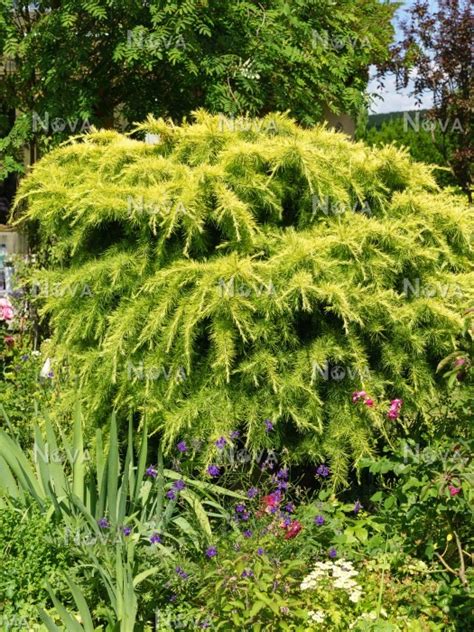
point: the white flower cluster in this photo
(341, 575)
(317, 616)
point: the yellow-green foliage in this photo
(233, 260)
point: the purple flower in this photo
(252, 492)
(213, 470)
(181, 573)
(173, 597)
(357, 507)
(290, 507)
(332, 552)
(211, 551)
(221, 443)
(282, 485)
(268, 425)
(240, 508)
(179, 485)
(25, 357)
(155, 538)
(247, 573)
(319, 520)
(235, 434)
(282, 474)
(247, 533)
(245, 516)
(322, 470)
(103, 523)
(182, 447)
(260, 551)
(50, 374)
(170, 495)
(126, 531)
(286, 521)
(151, 471)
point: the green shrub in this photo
(31, 554)
(242, 270)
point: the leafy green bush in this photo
(31, 555)
(423, 141)
(227, 272)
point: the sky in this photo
(392, 100)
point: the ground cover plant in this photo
(250, 275)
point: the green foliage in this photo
(31, 555)
(210, 279)
(429, 499)
(417, 134)
(83, 60)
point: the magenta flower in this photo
(454, 490)
(357, 395)
(6, 309)
(369, 402)
(394, 410)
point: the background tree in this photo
(106, 62)
(436, 54)
(410, 129)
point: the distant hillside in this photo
(377, 120)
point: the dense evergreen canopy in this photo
(226, 272)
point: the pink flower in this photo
(358, 395)
(369, 402)
(394, 410)
(293, 529)
(454, 490)
(6, 309)
(9, 341)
